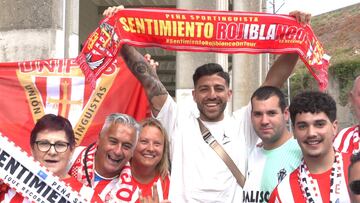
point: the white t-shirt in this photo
(267, 168)
(198, 173)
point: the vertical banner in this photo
(32, 89)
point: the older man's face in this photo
(115, 148)
(355, 98)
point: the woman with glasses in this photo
(52, 143)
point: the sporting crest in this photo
(59, 87)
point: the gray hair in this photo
(119, 118)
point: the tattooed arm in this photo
(146, 74)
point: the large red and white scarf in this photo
(78, 169)
(115, 190)
(311, 189)
(202, 31)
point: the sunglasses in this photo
(355, 187)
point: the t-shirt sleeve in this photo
(168, 118)
(168, 115)
(246, 127)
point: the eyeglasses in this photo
(355, 187)
(45, 146)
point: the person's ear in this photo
(286, 113)
(230, 93)
(335, 127)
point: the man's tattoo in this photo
(145, 74)
(140, 67)
(149, 79)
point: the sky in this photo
(315, 7)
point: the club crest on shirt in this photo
(281, 174)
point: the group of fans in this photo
(130, 161)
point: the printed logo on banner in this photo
(59, 87)
(27, 176)
(42, 174)
(104, 44)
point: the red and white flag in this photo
(31, 89)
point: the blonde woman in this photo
(150, 162)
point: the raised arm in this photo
(281, 70)
(285, 63)
(143, 71)
(146, 74)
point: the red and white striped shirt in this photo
(11, 196)
(289, 190)
(347, 140)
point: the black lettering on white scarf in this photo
(310, 187)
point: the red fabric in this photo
(100, 51)
(78, 169)
(126, 188)
(30, 89)
(3, 190)
(323, 181)
(77, 186)
(203, 31)
(146, 189)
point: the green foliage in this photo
(345, 73)
(301, 80)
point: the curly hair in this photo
(313, 102)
